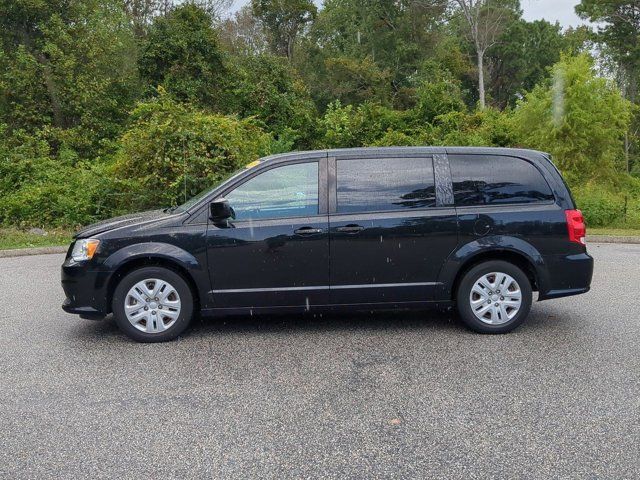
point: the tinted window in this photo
(385, 184)
(484, 180)
(288, 191)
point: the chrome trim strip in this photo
(276, 289)
(324, 287)
(383, 285)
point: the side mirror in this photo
(220, 210)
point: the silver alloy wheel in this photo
(495, 298)
(152, 305)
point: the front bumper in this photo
(567, 275)
(86, 290)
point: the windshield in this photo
(194, 200)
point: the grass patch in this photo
(615, 232)
(11, 238)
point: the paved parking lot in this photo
(366, 396)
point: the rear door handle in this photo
(308, 231)
(350, 228)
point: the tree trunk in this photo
(481, 78)
(52, 91)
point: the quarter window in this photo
(495, 180)
(287, 191)
(369, 185)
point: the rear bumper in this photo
(567, 275)
(86, 290)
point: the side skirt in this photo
(357, 307)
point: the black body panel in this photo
(396, 257)
(266, 264)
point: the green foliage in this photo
(38, 188)
(618, 36)
(69, 69)
(267, 88)
(579, 118)
(607, 206)
(283, 20)
(438, 93)
(618, 31)
(106, 107)
(172, 151)
(365, 50)
(346, 126)
(488, 127)
(599, 205)
(11, 238)
(181, 54)
(521, 58)
(355, 81)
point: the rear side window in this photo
(496, 180)
(374, 185)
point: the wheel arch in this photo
(515, 258)
(153, 255)
(515, 251)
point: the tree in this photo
(618, 32)
(267, 88)
(438, 93)
(363, 43)
(243, 34)
(485, 21)
(356, 81)
(521, 58)
(579, 118)
(67, 69)
(283, 20)
(181, 53)
(618, 29)
(142, 12)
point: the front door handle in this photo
(351, 228)
(308, 231)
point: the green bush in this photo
(579, 118)
(348, 126)
(599, 206)
(489, 128)
(40, 189)
(171, 152)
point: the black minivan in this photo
(369, 228)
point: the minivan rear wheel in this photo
(152, 304)
(494, 297)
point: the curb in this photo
(21, 252)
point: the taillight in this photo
(576, 226)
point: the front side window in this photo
(495, 180)
(370, 185)
(287, 191)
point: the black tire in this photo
(467, 283)
(144, 273)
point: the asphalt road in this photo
(368, 396)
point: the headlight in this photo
(84, 249)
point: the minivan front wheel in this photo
(494, 297)
(152, 304)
